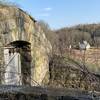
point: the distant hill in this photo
(78, 33)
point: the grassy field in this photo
(90, 58)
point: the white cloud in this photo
(48, 9)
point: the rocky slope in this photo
(68, 73)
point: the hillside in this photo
(72, 36)
(68, 73)
(70, 61)
(71, 67)
(75, 34)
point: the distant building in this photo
(84, 45)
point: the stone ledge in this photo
(11, 92)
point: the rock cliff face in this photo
(17, 25)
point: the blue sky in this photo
(62, 13)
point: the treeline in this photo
(63, 38)
(76, 34)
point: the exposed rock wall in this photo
(16, 24)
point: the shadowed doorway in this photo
(17, 56)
